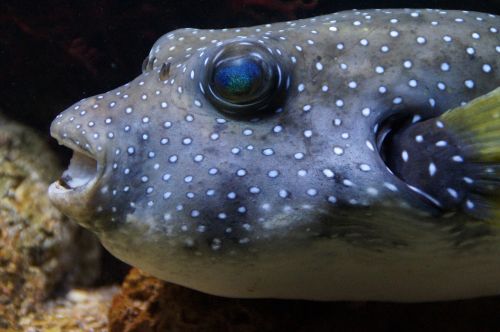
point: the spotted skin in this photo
(297, 201)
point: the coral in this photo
(41, 252)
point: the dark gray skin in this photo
(293, 200)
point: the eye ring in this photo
(244, 78)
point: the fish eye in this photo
(244, 78)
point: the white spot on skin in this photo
(273, 173)
(332, 199)
(348, 183)
(298, 155)
(421, 40)
(453, 193)
(338, 150)
(432, 169)
(370, 145)
(365, 167)
(390, 186)
(445, 66)
(468, 180)
(254, 190)
(404, 156)
(268, 152)
(441, 143)
(469, 84)
(283, 193)
(312, 192)
(486, 68)
(328, 173)
(393, 33)
(470, 205)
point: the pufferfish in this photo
(352, 156)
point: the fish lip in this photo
(72, 193)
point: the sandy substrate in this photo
(79, 311)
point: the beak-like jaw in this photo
(73, 194)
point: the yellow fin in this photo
(477, 124)
(477, 127)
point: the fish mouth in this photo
(82, 170)
(72, 193)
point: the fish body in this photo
(285, 160)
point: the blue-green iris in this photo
(238, 79)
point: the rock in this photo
(41, 252)
(79, 310)
(147, 304)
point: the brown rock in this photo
(79, 310)
(41, 252)
(147, 304)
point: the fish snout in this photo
(74, 192)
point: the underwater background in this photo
(54, 53)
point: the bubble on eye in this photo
(238, 79)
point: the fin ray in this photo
(476, 126)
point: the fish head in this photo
(226, 138)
